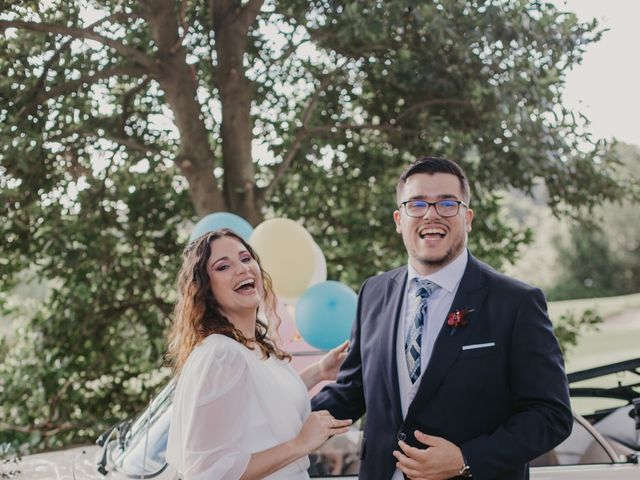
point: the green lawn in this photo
(601, 348)
(618, 337)
(606, 306)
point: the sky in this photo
(606, 86)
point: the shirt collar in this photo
(447, 277)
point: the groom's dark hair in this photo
(431, 165)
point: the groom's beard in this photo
(451, 254)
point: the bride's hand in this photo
(330, 362)
(317, 428)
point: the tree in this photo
(122, 121)
(600, 257)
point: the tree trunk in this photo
(231, 24)
(196, 158)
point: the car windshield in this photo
(141, 452)
(609, 398)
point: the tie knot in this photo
(425, 288)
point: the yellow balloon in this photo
(286, 251)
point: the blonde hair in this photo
(197, 313)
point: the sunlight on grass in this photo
(618, 337)
(606, 306)
(617, 340)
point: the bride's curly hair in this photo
(197, 313)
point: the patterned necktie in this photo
(414, 338)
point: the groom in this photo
(455, 364)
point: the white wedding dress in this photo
(230, 403)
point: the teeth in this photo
(248, 281)
(432, 231)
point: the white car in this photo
(136, 449)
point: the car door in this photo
(585, 455)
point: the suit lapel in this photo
(448, 345)
(393, 303)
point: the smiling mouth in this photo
(432, 233)
(246, 285)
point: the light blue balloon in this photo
(217, 220)
(325, 313)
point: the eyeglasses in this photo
(444, 208)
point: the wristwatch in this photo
(465, 471)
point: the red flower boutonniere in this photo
(458, 319)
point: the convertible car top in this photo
(619, 420)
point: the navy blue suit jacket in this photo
(502, 405)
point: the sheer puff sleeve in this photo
(210, 412)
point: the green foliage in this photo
(568, 328)
(474, 84)
(601, 257)
(587, 266)
(56, 396)
(90, 355)
(95, 198)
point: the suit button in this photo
(402, 436)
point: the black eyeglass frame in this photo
(434, 205)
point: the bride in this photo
(240, 410)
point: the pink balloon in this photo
(289, 337)
(287, 330)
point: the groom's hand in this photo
(441, 460)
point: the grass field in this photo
(606, 306)
(618, 337)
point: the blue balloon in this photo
(217, 220)
(325, 313)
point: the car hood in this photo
(70, 464)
